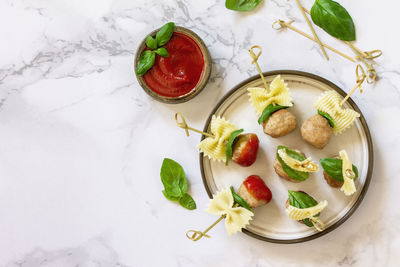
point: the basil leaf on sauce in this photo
(334, 19)
(162, 52)
(151, 42)
(301, 200)
(242, 5)
(187, 202)
(146, 61)
(165, 33)
(296, 175)
(328, 117)
(333, 167)
(228, 148)
(239, 200)
(268, 112)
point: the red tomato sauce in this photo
(256, 186)
(179, 73)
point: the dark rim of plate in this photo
(367, 134)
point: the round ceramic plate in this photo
(270, 222)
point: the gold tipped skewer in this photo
(186, 127)
(360, 73)
(255, 61)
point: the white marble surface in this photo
(82, 144)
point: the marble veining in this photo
(82, 144)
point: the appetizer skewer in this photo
(235, 208)
(272, 103)
(225, 142)
(305, 209)
(292, 165)
(331, 117)
(339, 172)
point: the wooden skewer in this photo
(195, 235)
(255, 61)
(360, 73)
(186, 127)
(284, 24)
(312, 29)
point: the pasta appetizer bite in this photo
(236, 208)
(305, 209)
(340, 172)
(225, 142)
(293, 165)
(331, 118)
(271, 104)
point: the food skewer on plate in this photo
(235, 208)
(331, 117)
(225, 142)
(303, 208)
(340, 172)
(293, 165)
(271, 103)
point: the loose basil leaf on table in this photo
(301, 200)
(165, 33)
(169, 197)
(146, 61)
(333, 167)
(328, 117)
(151, 42)
(173, 178)
(268, 112)
(228, 149)
(297, 175)
(162, 52)
(334, 19)
(239, 200)
(242, 5)
(187, 202)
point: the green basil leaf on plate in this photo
(187, 202)
(334, 19)
(173, 178)
(268, 112)
(296, 175)
(165, 33)
(146, 61)
(162, 52)
(242, 5)
(229, 144)
(301, 200)
(333, 167)
(151, 42)
(328, 117)
(239, 200)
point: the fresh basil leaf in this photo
(239, 200)
(187, 202)
(297, 175)
(228, 149)
(302, 201)
(328, 117)
(165, 33)
(334, 19)
(169, 197)
(333, 167)
(173, 178)
(151, 42)
(268, 112)
(162, 52)
(242, 5)
(146, 61)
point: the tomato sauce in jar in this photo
(179, 73)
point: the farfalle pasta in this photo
(236, 218)
(215, 147)
(329, 102)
